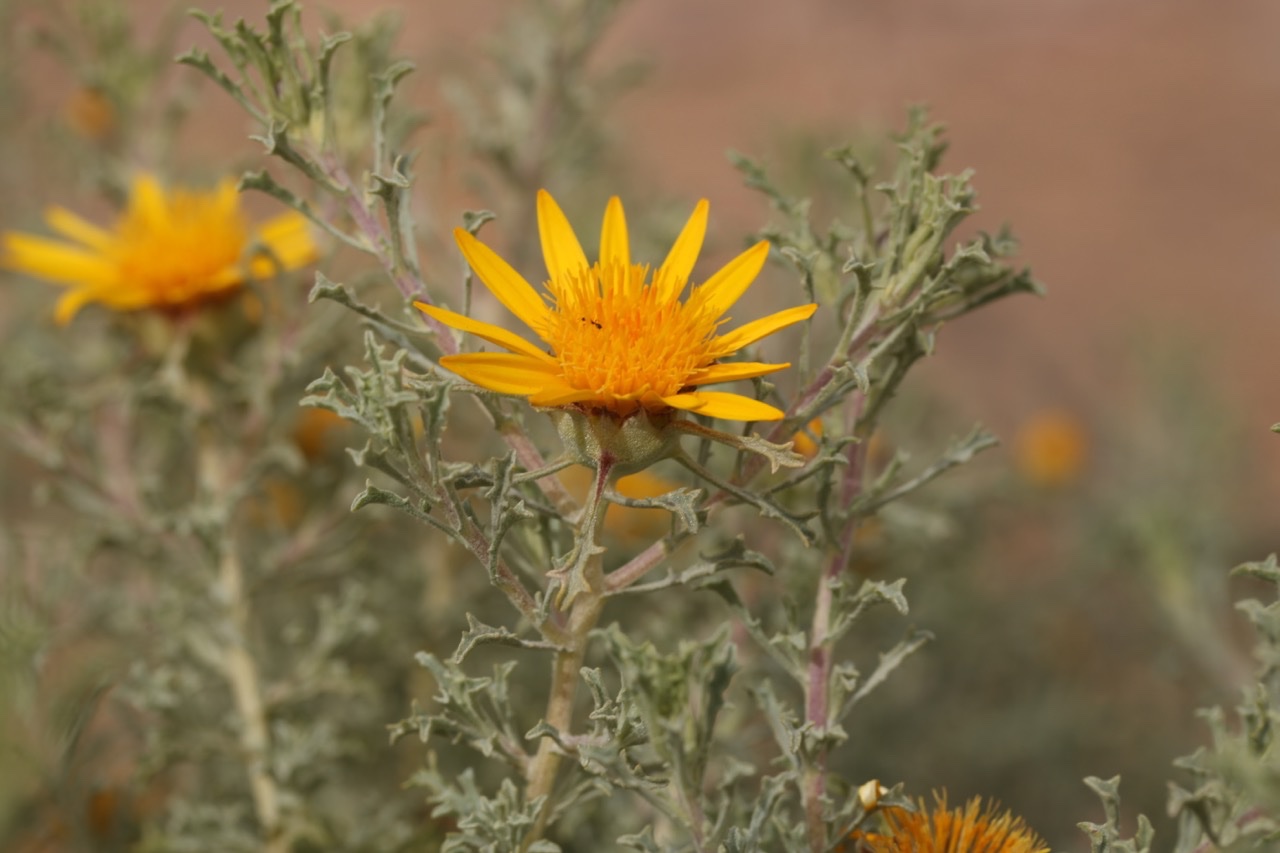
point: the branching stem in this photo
(817, 701)
(584, 613)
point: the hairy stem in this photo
(817, 702)
(217, 472)
(241, 671)
(584, 613)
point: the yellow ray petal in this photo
(224, 279)
(71, 302)
(227, 196)
(560, 395)
(147, 200)
(615, 246)
(55, 261)
(289, 238)
(729, 407)
(491, 333)
(730, 372)
(757, 329)
(72, 227)
(678, 266)
(504, 282)
(502, 372)
(560, 247)
(732, 280)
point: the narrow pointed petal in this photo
(561, 395)
(491, 333)
(729, 407)
(724, 288)
(233, 276)
(676, 269)
(503, 282)
(70, 303)
(289, 237)
(733, 371)
(755, 330)
(502, 372)
(560, 247)
(147, 199)
(615, 246)
(72, 227)
(55, 261)
(227, 196)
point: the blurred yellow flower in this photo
(1050, 448)
(618, 339)
(970, 829)
(167, 251)
(318, 431)
(805, 442)
(627, 522)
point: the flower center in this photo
(625, 338)
(173, 252)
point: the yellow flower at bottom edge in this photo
(167, 250)
(971, 829)
(618, 339)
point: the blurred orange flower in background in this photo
(90, 113)
(168, 250)
(1051, 448)
(318, 431)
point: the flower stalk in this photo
(241, 671)
(239, 667)
(821, 650)
(584, 613)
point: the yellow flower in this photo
(618, 339)
(1051, 448)
(167, 251)
(972, 829)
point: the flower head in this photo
(971, 829)
(616, 336)
(167, 251)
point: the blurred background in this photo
(1081, 599)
